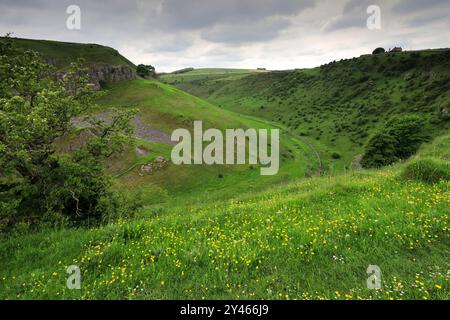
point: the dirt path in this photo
(141, 130)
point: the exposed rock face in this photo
(141, 151)
(112, 74)
(100, 74)
(142, 130)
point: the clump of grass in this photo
(335, 155)
(427, 170)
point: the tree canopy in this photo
(36, 111)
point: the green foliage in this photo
(398, 139)
(379, 51)
(145, 71)
(335, 155)
(35, 112)
(380, 151)
(428, 170)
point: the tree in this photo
(399, 139)
(35, 112)
(145, 71)
(380, 151)
(379, 51)
(409, 131)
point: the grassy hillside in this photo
(209, 74)
(226, 232)
(310, 239)
(165, 108)
(342, 103)
(61, 54)
(193, 81)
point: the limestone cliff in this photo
(101, 74)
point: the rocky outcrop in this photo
(102, 74)
(158, 164)
(142, 130)
(356, 163)
(110, 74)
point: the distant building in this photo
(261, 69)
(396, 49)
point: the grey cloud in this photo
(253, 32)
(422, 20)
(345, 22)
(171, 44)
(231, 21)
(38, 4)
(353, 14)
(234, 31)
(407, 6)
(198, 14)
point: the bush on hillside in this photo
(380, 151)
(427, 170)
(335, 155)
(399, 139)
(145, 71)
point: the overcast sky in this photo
(276, 34)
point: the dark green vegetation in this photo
(379, 51)
(35, 113)
(61, 54)
(226, 232)
(145, 71)
(338, 105)
(428, 170)
(398, 139)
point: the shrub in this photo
(380, 151)
(145, 71)
(427, 170)
(409, 131)
(399, 139)
(335, 155)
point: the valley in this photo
(226, 231)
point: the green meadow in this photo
(309, 239)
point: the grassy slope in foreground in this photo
(61, 53)
(310, 239)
